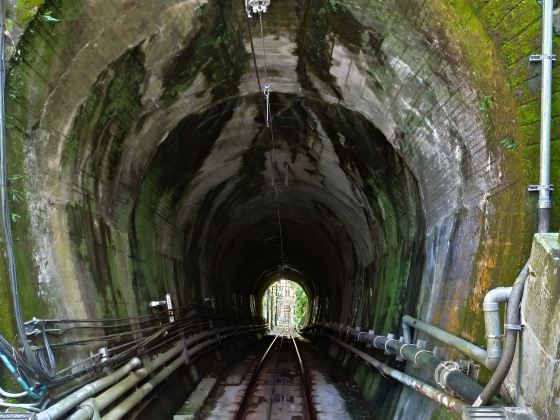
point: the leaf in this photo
(17, 196)
(509, 143)
(48, 17)
(15, 217)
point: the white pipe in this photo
(547, 58)
(28, 407)
(7, 394)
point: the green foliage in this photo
(82, 249)
(15, 194)
(26, 9)
(301, 304)
(48, 17)
(509, 143)
(486, 103)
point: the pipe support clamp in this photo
(442, 372)
(516, 327)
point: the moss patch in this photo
(26, 10)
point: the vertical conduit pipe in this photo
(547, 58)
(493, 324)
(512, 329)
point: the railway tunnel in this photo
(377, 153)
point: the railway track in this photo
(278, 388)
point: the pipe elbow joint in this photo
(492, 362)
(494, 297)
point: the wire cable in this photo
(268, 118)
(43, 372)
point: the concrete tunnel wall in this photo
(406, 133)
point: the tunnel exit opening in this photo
(285, 305)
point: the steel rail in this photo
(251, 384)
(306, 385)
(273, 385)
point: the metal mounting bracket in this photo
(167, 303)
(537, 187)
(537, 58)
(256, 6)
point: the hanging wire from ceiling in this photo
(260, 7)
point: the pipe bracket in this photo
(416, 355)
(442, 372)
(537, 58)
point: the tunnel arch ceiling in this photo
(129, 128)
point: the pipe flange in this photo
(442, 372)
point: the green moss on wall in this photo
(25, 74)
(216, 50)
(26, 10)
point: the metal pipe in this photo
(469, 349)
(512, 328)
(547, 58)
(59, 409)
(407, 334)
(199, 343)
(493, 324)
(138, 395)
(453, 378)
(429, 391)
(116, 391)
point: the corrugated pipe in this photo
(446, 374)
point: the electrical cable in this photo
(36, 367)
(28, 407)
(39, 364)
(7, 394)
(253, 51)
(268, 118)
